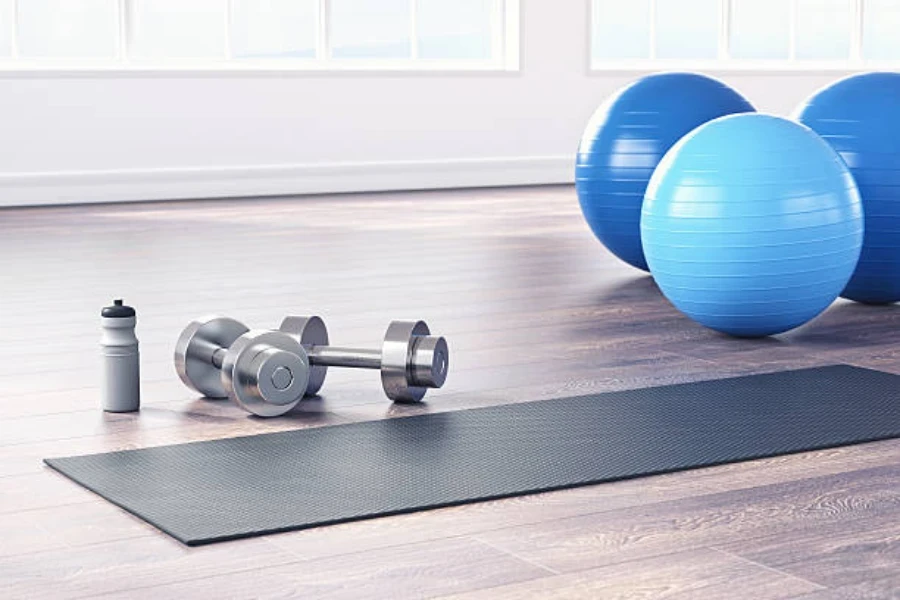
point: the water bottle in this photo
(121, 360)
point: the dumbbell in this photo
(265, 372)
(411, 360)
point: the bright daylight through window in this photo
(249, 34)
(801, 34)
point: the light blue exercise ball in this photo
(625, 140)
(752, 225)
(860, 118)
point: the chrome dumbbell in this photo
(411, 360)
(264, 372)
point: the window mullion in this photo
(498, 32)
(413, 30)
(122, 50)
(795, 25)
(14, 31)
(229, 9)
(724, 29)
(323, 32)
(856, 35)
(510, 23)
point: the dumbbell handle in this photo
(215, 354)
(424, 371)
(218, 357)
(355, 358)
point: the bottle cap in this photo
(117, 311)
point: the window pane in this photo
(687, 29)
(620, 29)
(760, 29)
(7, 14)
(178, 29)
(823, 29)
(274, 28)
(68, 28)
(454, 30)
(881, 40)
(370, 28)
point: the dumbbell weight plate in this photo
(309, 331)
(266, 372)
(399, 344)
(195, 348)
(430, 362)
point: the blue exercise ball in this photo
(625, 140)
(752, 225)
(860, 118)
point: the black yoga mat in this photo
(212, 491)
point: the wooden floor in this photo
(533, 308)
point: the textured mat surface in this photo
(224, 489)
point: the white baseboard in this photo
(82, 187)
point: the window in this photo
(621, 29)
(248, 34)
(70, 28)
(371, 28)
(881, 25)
(799, 34)
(454, 31)
(7, 18)
(687, 29)
(176, 29)
(274, 28)
(760, 29)
(822, 29)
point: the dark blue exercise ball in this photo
(860, 118)
(625, 140)
(752, 225)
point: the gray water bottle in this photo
(121, 360)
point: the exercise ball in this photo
(860, 118)
(625, 140)
(752, 225)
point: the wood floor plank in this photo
(886, 588)
(26, 458)
(70, 526)
(835, 556)
(118, 566)
(701, 573)
(867, 498)
(413, 571)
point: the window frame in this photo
(505, 50)
(725, 63)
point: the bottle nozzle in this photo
(118, 309)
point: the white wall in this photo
(80, 138)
